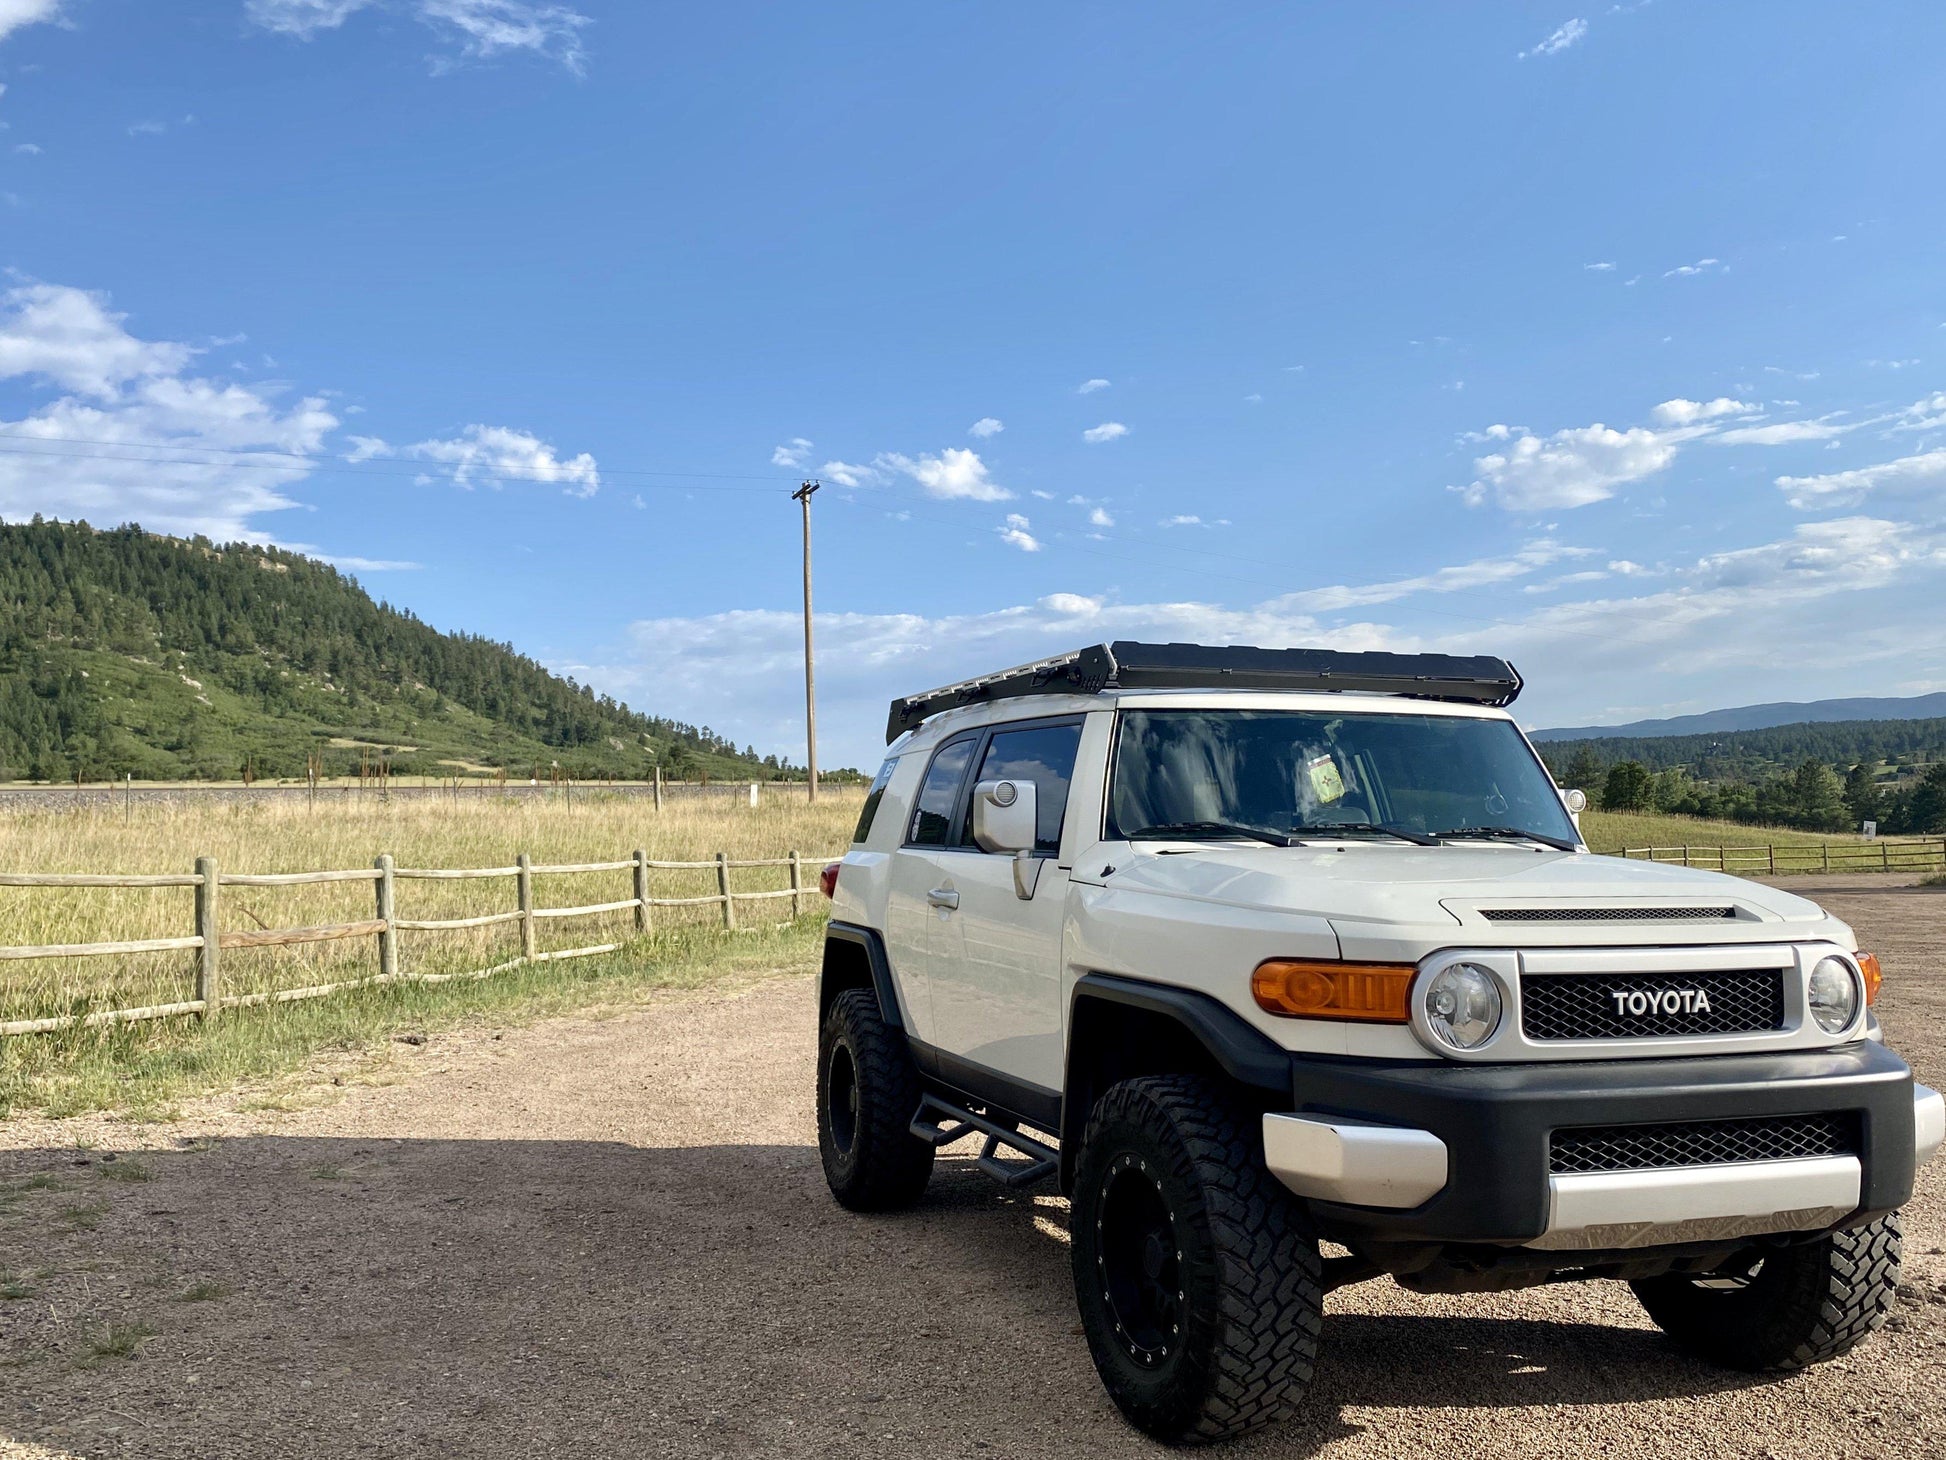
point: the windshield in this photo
(1287, 772)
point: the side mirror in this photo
(1575, 801)
(1005, 816)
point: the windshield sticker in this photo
(1325, 780)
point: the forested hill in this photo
(125, 652)
(1744, 754)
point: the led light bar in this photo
(1125, 664)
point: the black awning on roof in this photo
(1125, 664)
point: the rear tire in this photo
(868, 1093)
(1196, 1271)
(1796, 1307)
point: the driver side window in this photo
(1043, 754)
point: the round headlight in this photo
(1834, 995)
(1462, 1004)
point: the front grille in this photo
(1561, 1006)
(1699, 1143)
(1608, 914)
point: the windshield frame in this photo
(1109, 831)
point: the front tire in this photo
(868, 1093)
(1798, 1306)
(1196, 1272)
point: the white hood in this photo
(1356, 885)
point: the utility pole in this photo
(803, 496)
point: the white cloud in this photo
(1254, 398)
(477, 30)
(848, 474)
(1014, 533)
(1923, 415)
(1701, 266)
(147, 129)
(71, 338)
(986, 426)
(1089, 387)
(1605, 267)
(1680, 412)
(131, 437)
(15, 14)
(501, 453)
(1192, 520)
(792, 454)
(367, 448)
(1571, 468)
(1106, 431)
(1781, 433)
(1099, 517)
(1825, 610)
(27, 149)
(1481, 573)
(955, 474)
(1921, 473)
(1564, 35)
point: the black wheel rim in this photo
(1139, 1262)
(841, 1099)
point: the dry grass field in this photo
(139, 1064)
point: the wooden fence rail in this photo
(209, 940)
(1879, 855)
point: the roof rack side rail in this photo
(1126, 664)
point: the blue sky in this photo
(1611, 338)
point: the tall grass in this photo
(1611, 831)
(170, 1055)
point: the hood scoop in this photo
(1663, 914)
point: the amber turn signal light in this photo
(1874, 975)
(1371, 993)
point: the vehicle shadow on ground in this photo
(327, 1297)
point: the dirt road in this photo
(610, 1238)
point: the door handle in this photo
(943, 897)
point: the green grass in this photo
(143, 1069)
(114, 1340)
(1611, 831)
(205, 1292)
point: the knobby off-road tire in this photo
(868, 1092)
(1803, 1305)
(1196, 1271)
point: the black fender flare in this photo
(873, 947)
(1241, 1051)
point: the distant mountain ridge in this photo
(1761, 717)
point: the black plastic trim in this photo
(1244, 1053)
(875, 959)
(984, 1085)
(1497, 1122)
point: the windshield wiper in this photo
(1417, 838)
(1510, 833)
(1194, 829)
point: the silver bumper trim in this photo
(1928, 1122)
(1618, 1209)
(1354, 1161)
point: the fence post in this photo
(658, 788)
(1772, 849)
(388, 936)
(642, 924)
(209, 982)
(525, 882)
(723, 887)
(797, 885)
(1825, 847)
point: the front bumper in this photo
(1395, 1152)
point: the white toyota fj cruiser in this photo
(1281, 947)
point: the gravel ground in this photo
(610, 1238)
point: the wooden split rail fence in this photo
(1878, 855)
(209, 939)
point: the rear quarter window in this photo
(872, 797)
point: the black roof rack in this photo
(1469, 679)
